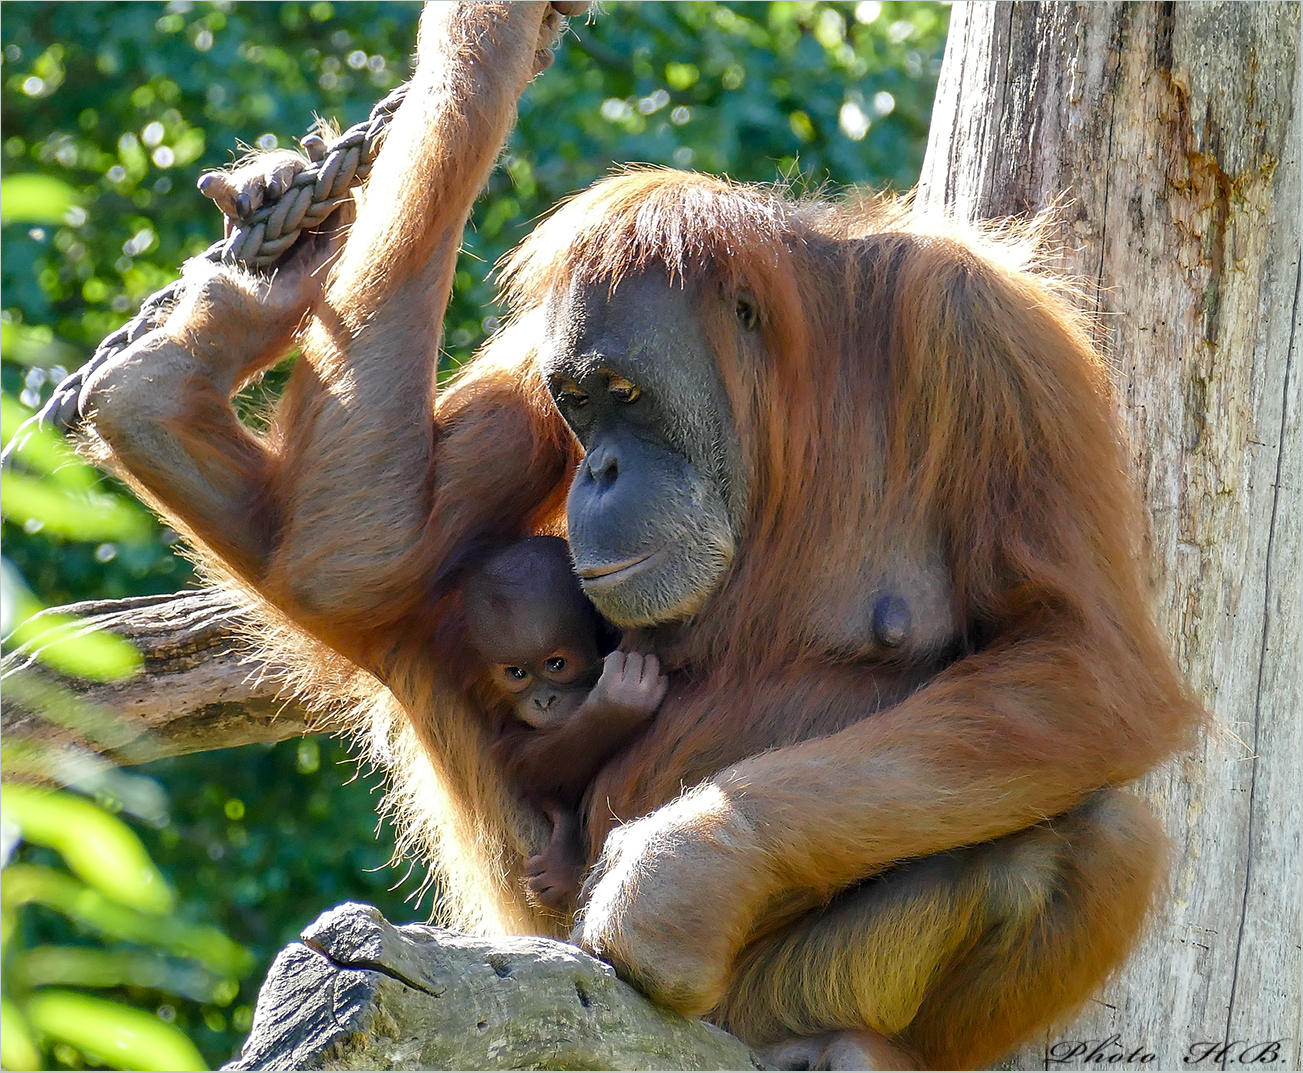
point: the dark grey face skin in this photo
(657, 505)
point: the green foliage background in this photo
(125, 104)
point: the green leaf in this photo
(35, 344)
(84, 966)
(75, 647)
(99, 847)
(63, 641)
(28, 883)
(189, 147)
(17, 1047)
(35, 199)
(117, 1035)
(17, 601)
(44, 449)
(79, 515)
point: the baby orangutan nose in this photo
(545, 703)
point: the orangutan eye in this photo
(623, 390)
(571, 394)
(517, 673)
(555, 665)
(746, 311)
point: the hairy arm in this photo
(1019, 733)
(561, 761)
(161, 413)
(357, 485)
(367, 482)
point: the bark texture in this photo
(359, 993)
(198, 689)
(1173, 132)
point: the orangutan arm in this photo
(358, 465)
(1000, 741)
(330, 515)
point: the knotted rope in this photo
(257, 240)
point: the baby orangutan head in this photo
(532, 624)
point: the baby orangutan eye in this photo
(556, 665)
(518, 674)
(623, 390)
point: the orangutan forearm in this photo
(359, 412)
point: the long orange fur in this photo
(915, 390)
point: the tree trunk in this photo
(1173, 131)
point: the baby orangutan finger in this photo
(651, 668)
(633, 667)
(659, 686)
(613, 665)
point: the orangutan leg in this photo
(955, 957)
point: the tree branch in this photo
(198, 689)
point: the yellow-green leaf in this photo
(68, 644)
(189, 147)
(35, 199)
(79, 515)
(35, 344)
(117, 1035)
(27, 883)
(86, 966)
(100, 848)
(17, 601)
(43, 449)
(17, 1047)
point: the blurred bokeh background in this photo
(139, 913)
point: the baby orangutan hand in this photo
(631, 686)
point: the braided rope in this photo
(262, 237)
(258, 240)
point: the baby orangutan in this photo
(543, 643)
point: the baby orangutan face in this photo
(548, 682)
(533, 626)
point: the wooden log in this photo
(199, 688)
(359, 993)
(1173, 130)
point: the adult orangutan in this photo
(855, 479)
